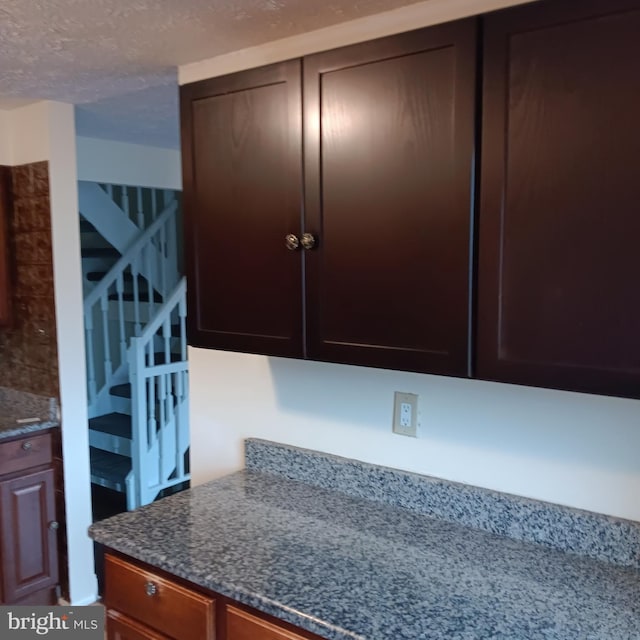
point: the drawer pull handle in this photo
(54, 526)
(26, 446)
(150, 589)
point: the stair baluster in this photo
(151, 406)
(125, 202)
(180, 428)
(164, 267)
(108, 365)
(149, 251)
(182, 314)
(162, 399)
(91, 365)
(121, 326)
(139, 445)
(135, 273)
(140, 209)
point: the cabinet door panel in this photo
(389, 140)
(242, 184)
(559, 302)
(5, 281)
(29, 552)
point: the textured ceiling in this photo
(91, 52)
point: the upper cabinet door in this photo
(389, 145)
(559, 262)
(5, 281)
(242, 164)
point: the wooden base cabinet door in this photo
(242, 164)
(559, 265)
(28, 536)
(389, 145)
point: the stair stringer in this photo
(106, 216)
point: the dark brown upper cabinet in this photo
(5, 280)
(372, 250)
(242, 174)
(389, 143)
(559, 263)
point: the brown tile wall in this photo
(28, 351)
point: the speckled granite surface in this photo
(586, 533)
(22, 413)
(349, 568)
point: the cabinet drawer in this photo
(242, 625)
(157, 602)
(120, 627)
(25, 453)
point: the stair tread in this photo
(100, 252)
(109, 466)
(143, 296)
(121, 390)
(115, 424)
(158, 357)
(127, 276)
(86, 226)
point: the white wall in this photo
(131, 164)
(25, 135)
(573, 449)
(46, 131)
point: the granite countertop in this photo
(350, 567)
(23, 413)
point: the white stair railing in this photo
(158, 370)
(140, 204)
(149, 267)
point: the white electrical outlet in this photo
(405, 414)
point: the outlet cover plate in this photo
(405, 414)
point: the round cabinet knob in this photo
(54, 526)
(26, 445)
(308, 241)
(291, 241)
(150, 589)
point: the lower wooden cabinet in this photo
(144, 603)
(28, 525)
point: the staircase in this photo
(135, 310)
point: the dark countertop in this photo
(351, 568)
(23, 413)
